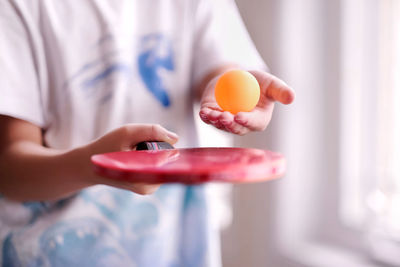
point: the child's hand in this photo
(124, 139)
(52, 174)
(272, 89)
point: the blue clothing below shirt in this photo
(103, 226)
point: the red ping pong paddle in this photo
(158, 162)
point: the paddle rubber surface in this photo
(191, 165)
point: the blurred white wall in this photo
(299, 41)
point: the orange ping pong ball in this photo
(237, 91)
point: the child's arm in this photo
(31, 171)
(272, 89)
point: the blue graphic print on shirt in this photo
(157, 55)
(118, 67)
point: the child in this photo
(79, 78)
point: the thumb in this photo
(136, 133)
(274, 88)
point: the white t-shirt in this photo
(79, 69)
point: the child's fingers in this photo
(238, 129)
(222, 120)
(203, 113)
(226, 118)
(228, 121)
(144, 189)
(274, 88)
(209, 115)
(255, 121)
(128, 136)
(138, 188)
(135, 133)
(283, 94)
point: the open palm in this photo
(272, 89)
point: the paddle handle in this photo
(153, 145)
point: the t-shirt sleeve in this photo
(19, 83)
(221, 38)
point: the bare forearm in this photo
(30, 171)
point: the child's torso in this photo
(102, 64)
